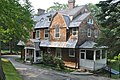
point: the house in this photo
(69, 34)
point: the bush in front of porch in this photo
(49, 60)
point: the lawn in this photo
(10, 71)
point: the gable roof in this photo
(42, 20)
(72, 12)
(78, 20)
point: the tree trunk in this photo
(2, 76)
(10, 47)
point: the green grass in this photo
(10, 71)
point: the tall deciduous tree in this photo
(110, 21)
(15, 22)
(57, 6)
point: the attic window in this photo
(90, 21)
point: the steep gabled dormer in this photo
(58, 28)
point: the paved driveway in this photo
(34, 73)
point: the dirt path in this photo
(34, 73)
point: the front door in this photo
(82, 57)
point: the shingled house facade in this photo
(69, 34)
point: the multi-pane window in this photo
(103, 54)
(71, 52)
(57, 32)
(74, 31)
(37, 34)
(89, 54)
(58, 52)
(46, 33)
(89, 32)
(90, 21)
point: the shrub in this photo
(48, 59)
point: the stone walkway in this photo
(34, 73)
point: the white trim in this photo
(37, 36)
(90, 21)
(73, 53)
(46, 33)
(57, 32)
(89, 32)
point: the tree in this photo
(57, 6)
(15, 22)
(95, 10)
(110, 22)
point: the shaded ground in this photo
(34, 73)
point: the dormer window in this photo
(57, 31)
(89, 32)
(49, 19)
(74, 31)
(90, 21)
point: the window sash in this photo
(57, 32)
(89, 32)
(37, 34)
(71, 52)
(90, 21)
(74, 31)
(46, 34)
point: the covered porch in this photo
(32, 51)
(91, 57)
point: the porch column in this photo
(25, 54)
(94, 59)
(94, 55)
(34, 55)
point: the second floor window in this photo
(46, 34)
(89, 32)
(90, 21)
(57, 32)
(74, 31)
(37, 34)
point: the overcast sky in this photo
(44, 4)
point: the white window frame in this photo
(57, 32)
(70, 53)
(46, 33)
(37, 35)
(89, 32)
(76, 31)
(58, 49)
(90, 21)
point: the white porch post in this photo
(25, 54)
(34, 55)
(100, 54)
(94, 59)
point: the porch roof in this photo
(68, 44)
(91, 44)
(88, 44)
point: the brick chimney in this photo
(71, 4)
(41, 11)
